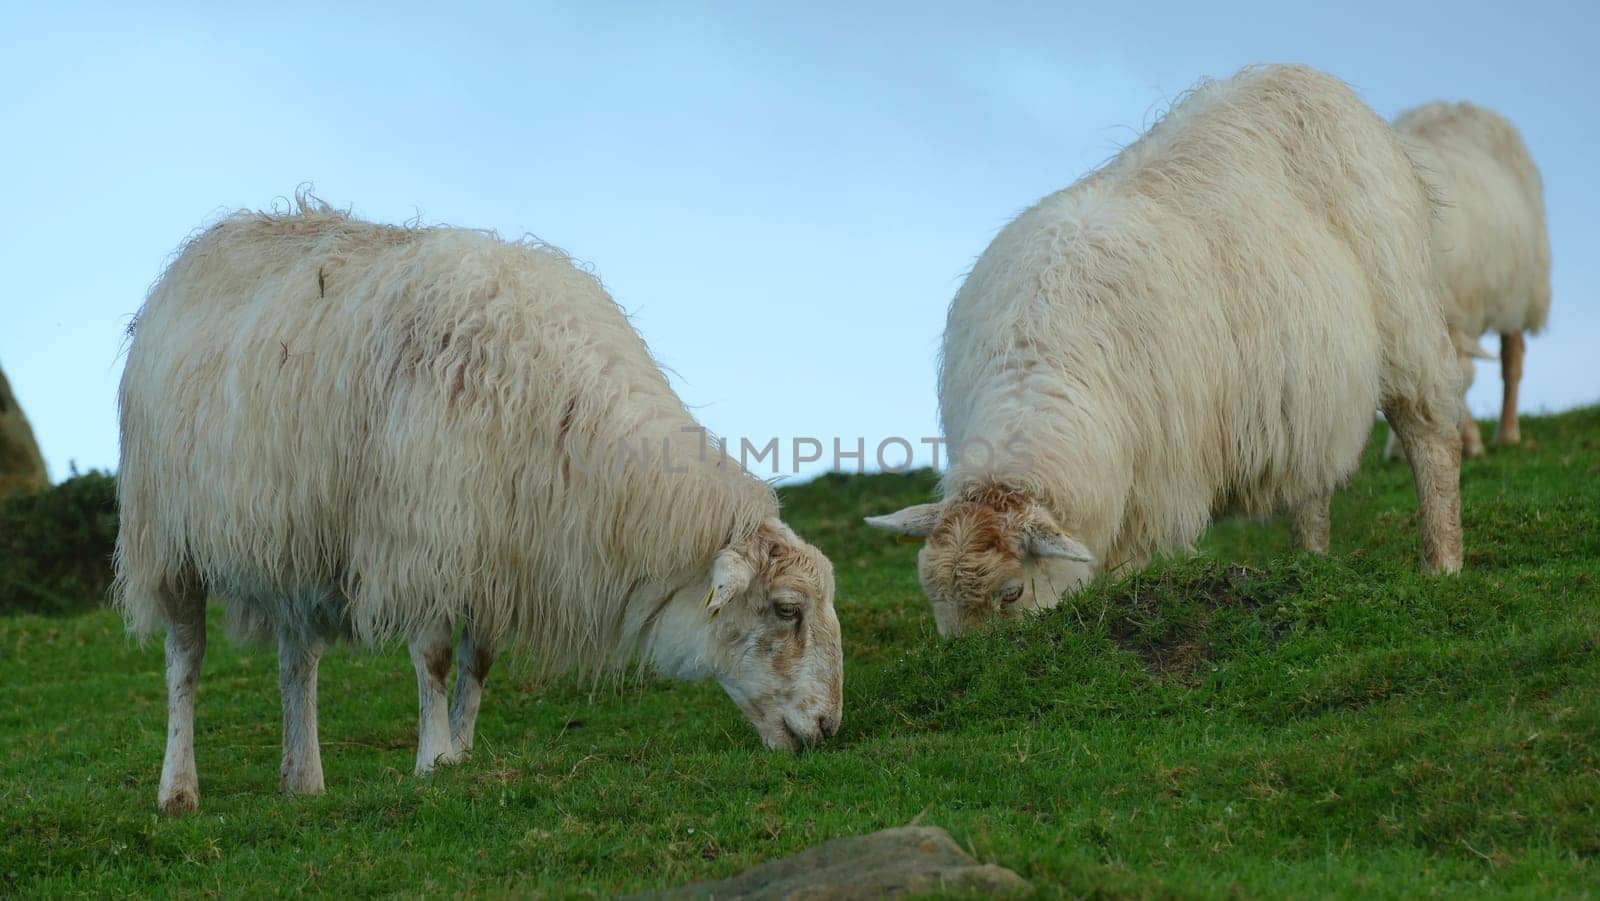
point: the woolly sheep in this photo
(1489, 240)
(1203, 325)
(344, 429)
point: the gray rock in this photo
(910, 860)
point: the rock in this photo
(21, 467)
(911, 860)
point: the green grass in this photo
(1247, 721)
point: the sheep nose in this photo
(826, 726)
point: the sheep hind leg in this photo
(1309, 523)
(430, 654)
(185, 608)
(474, 656)
(301, 772)
(1433, 445)
(1511, 350)
(1471, 440)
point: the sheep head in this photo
(775, 636)
(990, 551)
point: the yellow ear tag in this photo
(910, 539)
(709, 593)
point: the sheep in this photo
(21, 465)
(1202, 326)
(350, 430)
(1489, 238)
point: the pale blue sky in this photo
(784, 197)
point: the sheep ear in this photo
(915, 521)
(730, 576)
(1045, 539)
(1059, 545)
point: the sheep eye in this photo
(1011, 593)
(788, 611)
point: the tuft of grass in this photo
(1245, 721)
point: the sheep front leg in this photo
(1309, 523)
(301, 772)
(474, 656)
(186, 648)
(1433, 445)
(1511, 349)
(1391, 447)
(430, 654)
(1471, 440)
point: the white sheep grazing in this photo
(347, 429)
(1490, 240)
(1203, 325)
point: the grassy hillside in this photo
(1248, 721)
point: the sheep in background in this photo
(1204, 325)
(1489, 240)
(349, 429)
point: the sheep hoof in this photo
(180, 802)
(448, 759)
(292, 785)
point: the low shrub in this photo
(56, 544)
